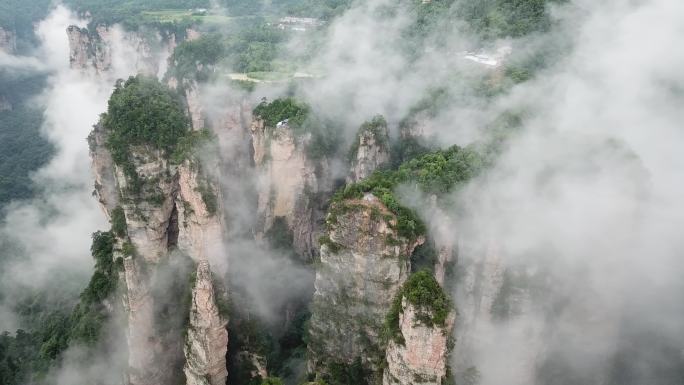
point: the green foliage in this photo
(332, 246)
(424, 256)
(19, 16)
(279, 235)
(118, 222)
(22, 147)
(407, 148)
(189, 144)
(324, 9)
(128, 249)
(325, 137)
(281, 109)
(27, 356)
(254, 47)
(423, 292)
(338, 373)
(272, 381)
(502, 18)
(209, 197)
(104, 279)
(142, 111)
(195, 59)
(437, 173)
(129, 12)
(22, 151)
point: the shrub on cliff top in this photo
(325, 137)
(280, 109)
(142, 111)
(376, 126)
(434, 173)
(429, 299)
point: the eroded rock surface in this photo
(362, 268)
(422, 358)
(289, 183)
(372, 150)
(108, 48)
(207, 338)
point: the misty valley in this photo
(341, 192)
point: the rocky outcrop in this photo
(363, 264)
(370, 151)
(87, 51)
(422, 358)
(198, 201)
(151, 213)
(417, 126)
(109, 48)
(195, 107)
(8, 40)
(207, 338)
(167, 207)
(144, 347)
(106, 187)
(255, 362)
(289, 183)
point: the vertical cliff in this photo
(165, 206)
(207, 338)
(108, 48)
(370, 149)
(289, 182)
(420, 324)
(364, 261)
(497, 306)
(87, 51)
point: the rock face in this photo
(106, 187)
(494, 297)
(87, 50)
(109, 48)
(8, 40)
(362, 268)
(372, 150)
(144, 348)
(476, 295)
(167, 207)
(289, 183)
(207, 337)
(422, 358)
(192, 96)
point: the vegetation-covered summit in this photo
(434, 173)
(142, 111)
(325, 137)
(431, 303)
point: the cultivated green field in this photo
(176, 15)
